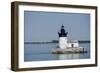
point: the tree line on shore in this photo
(55, 41)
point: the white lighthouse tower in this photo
(62, 38)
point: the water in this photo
(43, 52)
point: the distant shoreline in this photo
(84, 41)
(81, 41)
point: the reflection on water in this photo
(41, 52)
(70, 56)
(67, 56)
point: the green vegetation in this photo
(84, 41)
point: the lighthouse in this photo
(66, 46)
(62, 38)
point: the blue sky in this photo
(43, 26)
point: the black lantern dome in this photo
(62, 32)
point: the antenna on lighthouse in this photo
(62, 26)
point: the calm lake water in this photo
(43, 52)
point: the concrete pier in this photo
(68, 50)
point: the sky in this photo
(42, 26)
